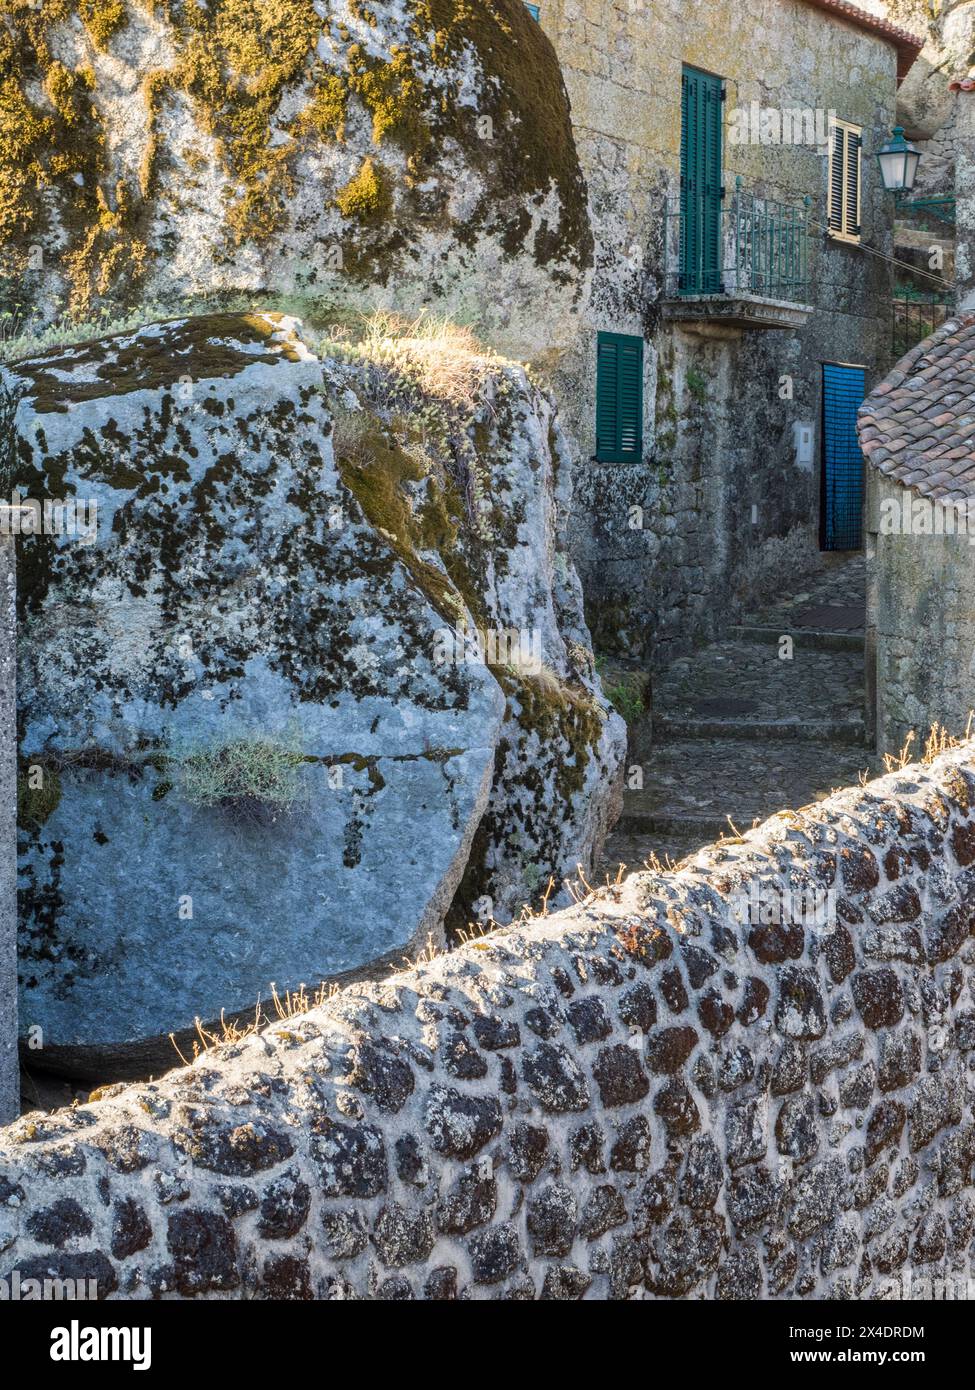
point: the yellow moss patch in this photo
(56, 141)
(70, 93)
(394, 96)
(23, 133)
(102, 19)
(325, 113)
(261, 40)
(237, 59)
(108, 256)
(153, 88)
(367, 196)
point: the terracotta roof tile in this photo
(918, 425)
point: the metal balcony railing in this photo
(739, 245)
(915, 315)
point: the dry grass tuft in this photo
(289, 1005)
(445, 359)
(938, 741)
(253, 778)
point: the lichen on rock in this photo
(419, 148)
(251, 688)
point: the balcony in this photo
(735, 264)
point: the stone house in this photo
(917, 436)
(731, 290)
(917, 431)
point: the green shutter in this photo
(619, 398)
(700, 182)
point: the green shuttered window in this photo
(701, 188)
(619, 398)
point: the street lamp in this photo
(898, 162)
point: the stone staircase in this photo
(750, 725)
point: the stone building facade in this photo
(724, 500)
(920, 524)
(920, 499)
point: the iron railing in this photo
(743, 245)
(915, 315)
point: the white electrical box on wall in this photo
(805, 437)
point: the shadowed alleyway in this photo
(752, 723)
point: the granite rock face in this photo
(631, 1098)
(254, 747)
(399, 153)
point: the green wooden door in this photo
(700, 183)
(619, 398)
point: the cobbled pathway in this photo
(751, 725)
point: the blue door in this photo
(841, 511)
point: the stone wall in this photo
(727, 507)
(921, 615)
(963, 133)
(656, 1093)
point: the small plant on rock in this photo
(255, 780)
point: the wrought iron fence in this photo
(748, 245)
(915, 316)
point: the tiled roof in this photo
(918, 425)
(908, 45)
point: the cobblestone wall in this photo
(651, 1094)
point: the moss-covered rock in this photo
(272, 744)
(416, 151)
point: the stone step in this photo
(634, 850)
(681, 827)
(691, 787)
(848, 732)
(812, 638)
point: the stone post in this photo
(963, 131)
(9, 1067)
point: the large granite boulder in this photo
(924, 101)
(415, 151)
(262, 737)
